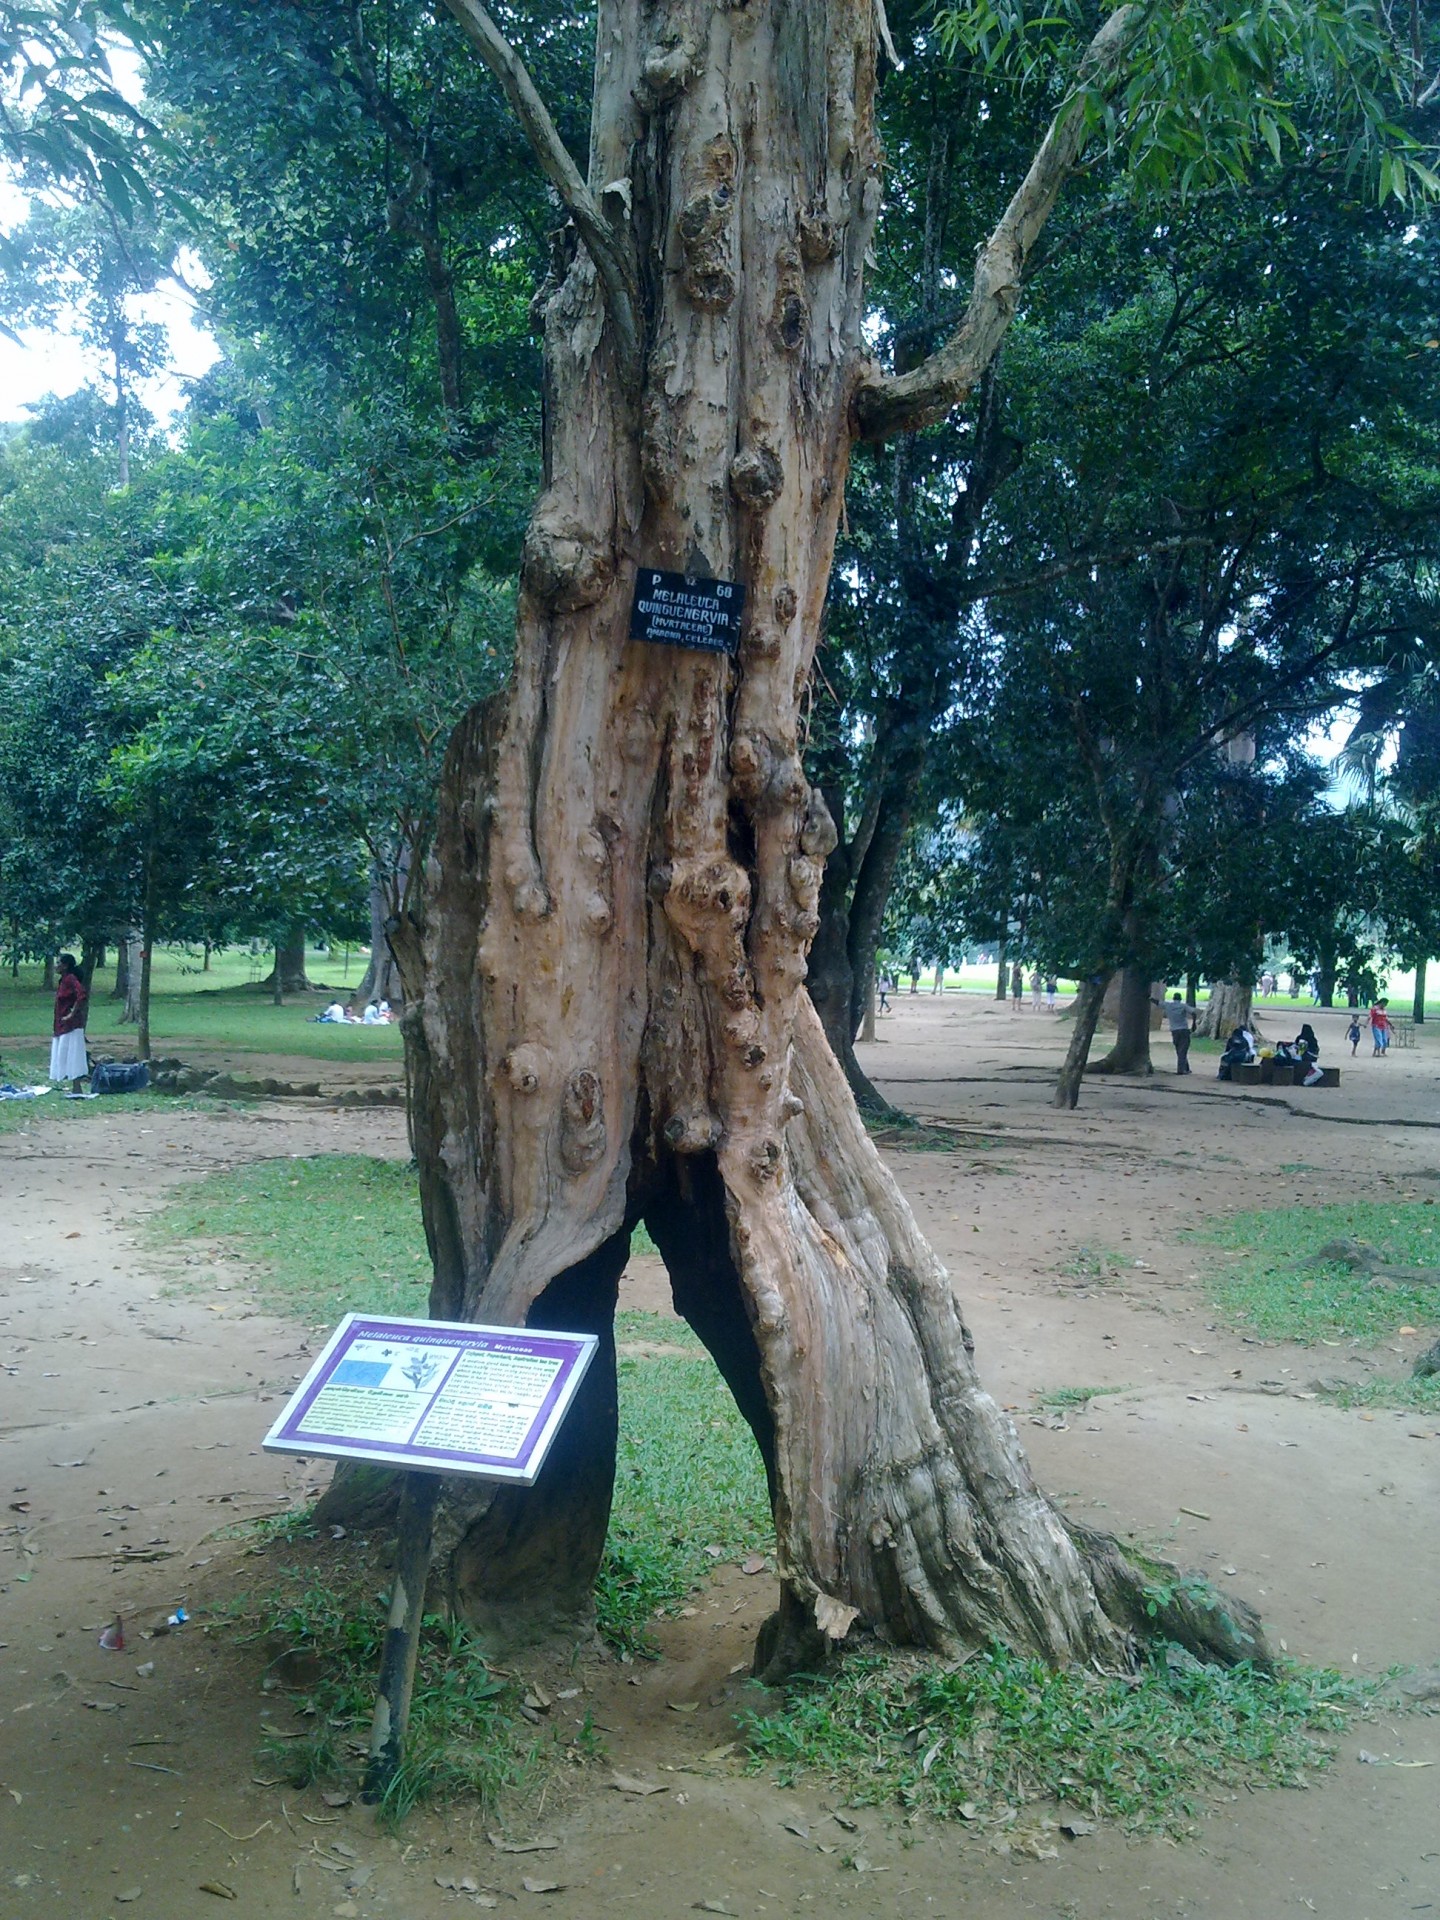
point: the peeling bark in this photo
(607, 1018)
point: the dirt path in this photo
(131, 1424)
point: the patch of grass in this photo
(224, 1010)
(1276, 1287)
(1059, 1397)
(689, 1489)
(656, 1329)
(1418, 1396)
(908, 1135)
(1102, 1264)
(990, 1735)
(339, 1233)
(466, 1735)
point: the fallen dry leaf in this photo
(541, 1886)
(542, 1843)
(755, 1564)
(624, 1783)
(127, 1894)
(683, 1706)
(219, 1888)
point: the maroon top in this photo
(70, 998)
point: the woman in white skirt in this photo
(67, 1048)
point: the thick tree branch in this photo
(917, 399)
(604, 245)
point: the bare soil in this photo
(129, 1445)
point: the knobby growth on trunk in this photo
(606, 1014)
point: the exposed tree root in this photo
(1154, 1600)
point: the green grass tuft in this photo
(339, 1233)
(466, 1735)
(1102, 1264)
(1274, 1285)
(1060, 1397)
(999, 1731)
(689, 1489)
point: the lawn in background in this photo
(225, 1009)
(1277, 1286)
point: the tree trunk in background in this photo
(1325, 984)
(832, 975)
(613, 1024)
(288, 972)
(142, 1011)
(1227, 1008)
(92, 956)
(127, 976)
(47, 978)
(1133, 1013)
(1002, 977)
(381, 980)
(1089, 998)
(1418, 1005)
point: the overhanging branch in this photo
(604, 245)
(905, 402)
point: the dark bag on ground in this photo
(120, 1076)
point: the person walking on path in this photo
(1052, 987)
(1017, 986)
(1180, 1019)
(67, 1048)
(1035, 992)
(1352, 1034)
(1380, 1028)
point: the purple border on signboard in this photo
(569, 1350)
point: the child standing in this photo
(1352, 1034)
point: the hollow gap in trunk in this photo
(523, 1568)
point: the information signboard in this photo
(678, 610)
(436, 1396)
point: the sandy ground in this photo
(129, 1442)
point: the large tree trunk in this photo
(613, 1024)
(1134, 1008)
(1227, 1008)
(1417, 1008)
(288, 973)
